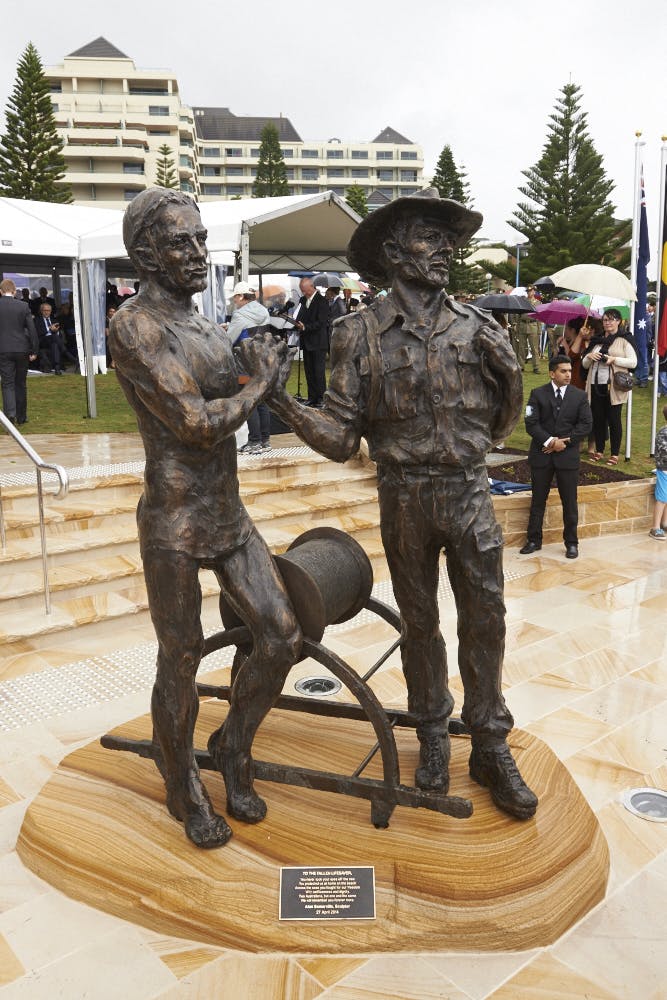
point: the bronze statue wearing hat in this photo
(431, 384)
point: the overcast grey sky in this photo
(481, 75)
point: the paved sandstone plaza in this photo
(585, 672)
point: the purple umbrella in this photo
(561, 311)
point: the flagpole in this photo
(633, 279)
(661, 280)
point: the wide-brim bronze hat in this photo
(364, 249)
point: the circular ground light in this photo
(318, 687)
(649, 803)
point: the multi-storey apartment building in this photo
(113, 119)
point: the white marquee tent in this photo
(308, 232)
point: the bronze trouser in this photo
(422, 513)
(251, 584)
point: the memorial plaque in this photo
(327, 893)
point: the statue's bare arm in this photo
(163, 384)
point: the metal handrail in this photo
(62, 492)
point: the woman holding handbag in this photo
(609, 361)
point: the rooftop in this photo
(221, 123)
(100, 48)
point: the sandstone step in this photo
(95, 571)
(91, 507)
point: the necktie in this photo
(559, 399)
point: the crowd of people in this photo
(311, 321)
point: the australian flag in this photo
(640, 330)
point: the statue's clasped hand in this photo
(262, 356)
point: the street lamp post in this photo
(488, 282)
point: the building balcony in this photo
(105, 177)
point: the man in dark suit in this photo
(313, 323)
(18, 345)
(51, 343)
(558, 418)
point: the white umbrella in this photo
(595, 279)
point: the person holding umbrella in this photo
(615, 350)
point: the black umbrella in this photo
(328, 279)
(546, 283)
(504, 303)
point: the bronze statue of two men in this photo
(430, 384)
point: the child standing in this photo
(659, 511)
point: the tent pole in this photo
(86, 330)
(245, 252)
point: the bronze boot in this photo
(432, 775)
(492, 766)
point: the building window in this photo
(408, 190)
(253, 171)
(55, 107)
(234, 151)
(359, 154)
(335, 172)
(56, 88)
(408, 156)
(159, 131)
(254, 151)
(212, 151)
(149, 91)
(287, 153)
(290, 173)
(359, 172)
(210, 171)
(385, 154)
(235, 189)
(129, 194)
(309, 154)
(158, 109)
(133, 168)
(334, 154)
(339, 191)
(408, 175)
(385, 175)
(185, 161)
(212, 189)
(187, 187)
(309, 173)
(235, 171)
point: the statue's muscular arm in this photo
(163, 384)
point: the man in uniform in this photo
(178, 374)
(431, 384)
(527, 334)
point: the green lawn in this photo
(59, 406)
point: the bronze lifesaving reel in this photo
(329, 579)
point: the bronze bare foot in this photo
(236, 768)
(193, 808)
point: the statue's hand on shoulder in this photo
(494, 343)
(261, 356)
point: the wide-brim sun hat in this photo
(364, 251)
